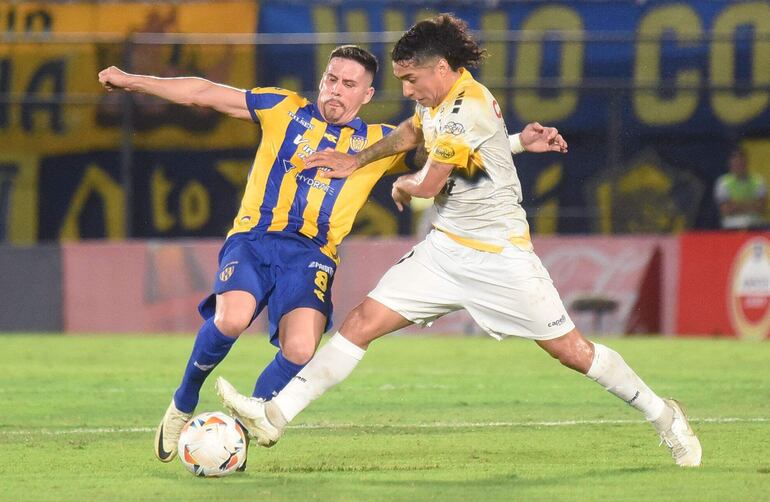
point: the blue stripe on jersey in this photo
(261, 101)
(327, 206)
(278, 171)
(386, 129)
(303, 187)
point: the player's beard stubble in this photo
(333, 110)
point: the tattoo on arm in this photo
(403, 138)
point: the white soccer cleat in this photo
(253, 414)
(167, 435)
(678, 436)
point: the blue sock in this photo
(275, 377)
(211, 346)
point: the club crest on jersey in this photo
(357, 143)
(227, 271)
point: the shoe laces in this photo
(677, 449)
(670, 439)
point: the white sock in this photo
(611, 372)
(332, 364)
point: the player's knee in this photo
(579, 358)
(358, 327)
(298, 352)
(572, 351)
(231, 324)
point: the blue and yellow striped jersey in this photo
(282, 197)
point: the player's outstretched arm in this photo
(188, 91)
(340, 165)
(537, 139)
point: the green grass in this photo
(421, 418)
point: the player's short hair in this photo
(359, 55)
(444, 36)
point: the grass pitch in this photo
(421, 418)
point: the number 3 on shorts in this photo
(321, 282)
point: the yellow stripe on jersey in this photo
(316, 198)
(289, 190)
(256, 184)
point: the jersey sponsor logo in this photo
(558, 322)
(287, 166)
(296, 118)
(307, 180)
(357, 143)
(326, 268)
(314, 183)
(749, 293)
(444, 152)
(227, 271)
(454, 128)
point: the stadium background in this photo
(112, 207)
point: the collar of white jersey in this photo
(465, 76)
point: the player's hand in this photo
(114, 78)
(538, 139)
(400, 197)
(332, 164)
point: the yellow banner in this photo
(52, 102)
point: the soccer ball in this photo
(212, 444)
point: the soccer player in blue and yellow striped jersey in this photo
(282, 249)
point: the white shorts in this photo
(507, 294)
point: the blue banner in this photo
(651, 95)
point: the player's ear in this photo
(369, 95)
(443, 66)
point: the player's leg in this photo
(234, 311)
(299, 333)
(333, 363)
(299, 310)
(606, 367)
(512, 294)
(226, 313)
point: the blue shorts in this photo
(282, 270)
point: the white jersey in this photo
(480, 206)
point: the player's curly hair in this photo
(445, 36)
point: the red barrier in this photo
(155, 286)
(138, 286)
(725, 284)
(635, 274)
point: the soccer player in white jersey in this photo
(478, 257)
